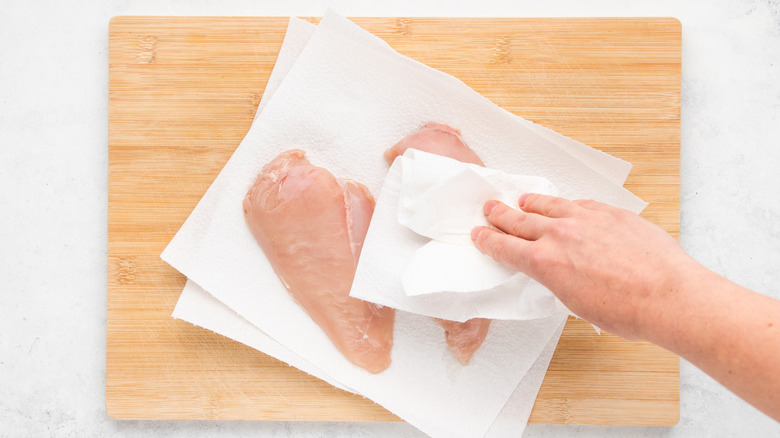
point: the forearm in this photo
(629, 277)
(729, 332)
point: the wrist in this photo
(672, 307)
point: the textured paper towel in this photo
(199, 307)
(273, 311)
(442, 199)
(513, 418)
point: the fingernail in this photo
(489, 206)
(521, 200)
(475, 233)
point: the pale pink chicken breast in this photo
(311, 226)
(463, 338)
(435, 138)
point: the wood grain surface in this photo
(182, 94)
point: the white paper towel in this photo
(387, 250)
(442, 199)
(200, 308)
(310, 96)
(198, 305)
(519, 406)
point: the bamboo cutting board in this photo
(182, 94)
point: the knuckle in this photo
(587, 203)
(497, 213)
(499, 250)
(544, 205)
(565, 230)
(559, 229)
(538, 260)
(607, 217)
(497, 247)
(552, 205)
(517, 224)
(484, 241)
(545, 260)
(530, 201)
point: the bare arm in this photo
(629, 277)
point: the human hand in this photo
(607, 265)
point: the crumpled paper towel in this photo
(425, 385)
(442, 199)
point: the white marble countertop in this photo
(53, 198)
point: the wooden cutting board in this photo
(182, 94)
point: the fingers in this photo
(515, 222)
(545, 205)
(503, 248)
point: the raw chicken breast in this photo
(311, 227)
(463, 338)
(435, 138)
